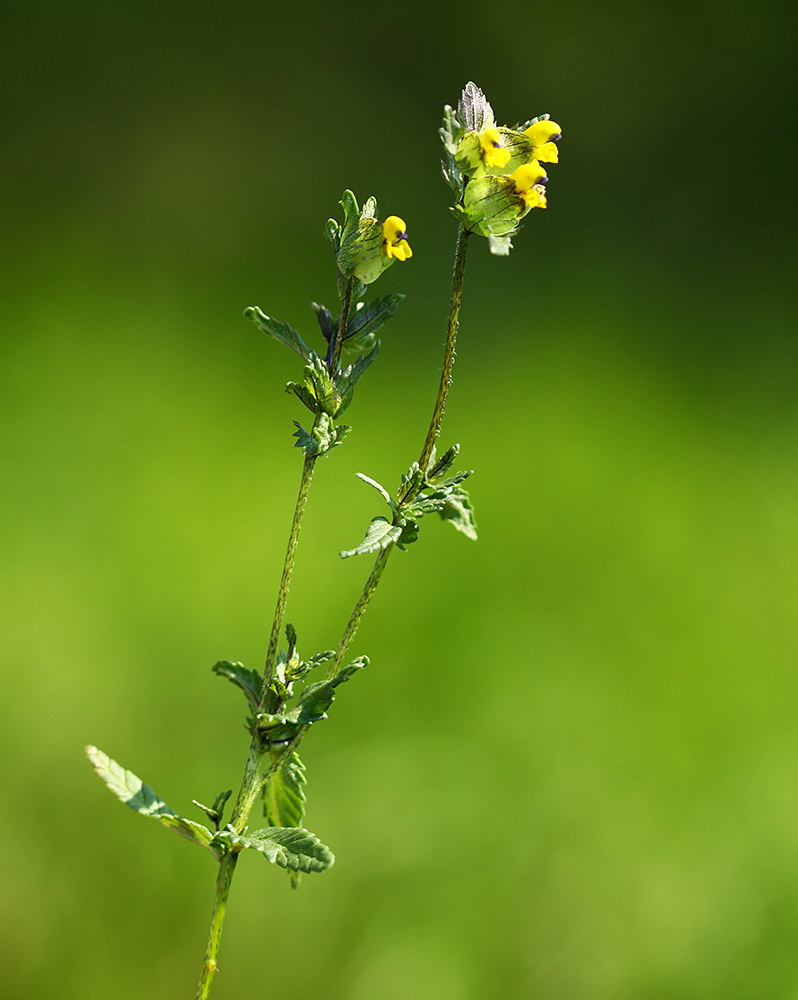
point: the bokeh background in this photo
(571, 770)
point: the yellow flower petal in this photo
(529, 184)
(493, 152)
(543, 131)
(394, 238)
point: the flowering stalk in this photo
(497, 175)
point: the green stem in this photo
(227, 867)
(282, 597)
(451, 339)
(358, 612)
(339, 339)
(434, 429)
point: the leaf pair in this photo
(289, 847)
(419, 494)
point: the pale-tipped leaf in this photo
(280, 331)
(379, 536)
(131, 790)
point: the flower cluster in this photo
(495, 171)
(364, 247)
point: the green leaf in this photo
(290, 847)
(346, 380)
(408, 536)
(324, 436)
(250, 681)
(317, 698)
(332, 230)
(347, 252)
(459, 512)
(131, 790)
(302, 392)
(379, 536)
(327, 322)
(280, 331)
(380, 489)
(368, 317)
(284, 794)
(440, 466)
(216, 811)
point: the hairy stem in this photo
(358, 612)
(335, 355)
(227, 867)
(434, 429)
(448, 360)
(282, 596)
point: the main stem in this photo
(434, 429)
(282, 596)
(254, 776)
(335, 355)
(451, 340)
(227, 867)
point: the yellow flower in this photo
(541, 135)
(492, 149)
(394, 239)
(530, 180)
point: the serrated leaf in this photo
(332, 230)
(284, 794)
(304, 394)
(280, 331)
(370, 316)
(346, 380)
(459, 512)
(250, 681)
(347, 252)
(305, 666)
(139, 797)
(327, 322)
(289, 847)
(317, 698)
(408, 536)
(380, 489)
(473, 110)
(440, 466)
(379, 535)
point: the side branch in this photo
(451, 339)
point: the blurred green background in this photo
(570, 771)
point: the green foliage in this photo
(284, 794)
(346, 380)
(419, 494)
(323, 436)
(284, 798)
(216, 811)
(379, 535)
(459, 512)
(281, 727)
(280, 331)
(250, 681)
(289, 847)
(131, 790)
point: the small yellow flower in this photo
(394, 239)
(492, 149)
(543, 135)
(530, 182)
